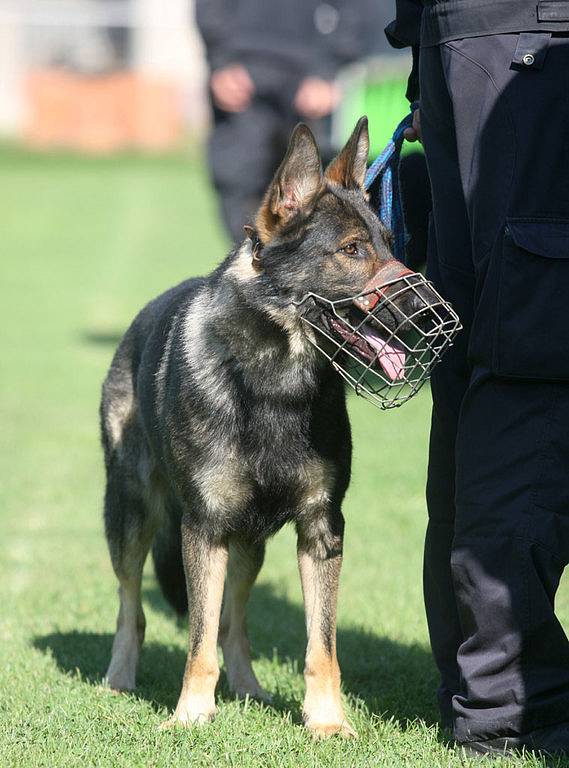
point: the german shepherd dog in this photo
(221, 422)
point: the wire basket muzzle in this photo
(386, 340)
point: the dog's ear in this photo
(294, 186)
(348, 169)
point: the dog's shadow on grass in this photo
(101, 338)
(393, 679)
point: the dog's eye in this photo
(350, 250)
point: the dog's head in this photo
(325, 260)
(317, 233)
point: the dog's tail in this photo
(168, 564)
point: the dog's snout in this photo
(412, 302)
(421, 298)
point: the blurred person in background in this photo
(272, 64)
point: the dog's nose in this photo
(412, 302)
(421, 301)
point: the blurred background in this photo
(105, 75)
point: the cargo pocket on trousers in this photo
(532, 323)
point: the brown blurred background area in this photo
(100, 75)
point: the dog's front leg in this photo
(320, 560)
(205, 564)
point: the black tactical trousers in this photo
(495, 117)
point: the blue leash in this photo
(385, 168)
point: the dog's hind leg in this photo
(320, 561)
(245, 561)
(205, 564)
(130, 528)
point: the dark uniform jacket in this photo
(432, 22)
(309, 37)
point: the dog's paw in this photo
(251, 691)
(325, 730)
(120, 680)
(177, 721)
(327, 718)
(121, 674)
(190, 714)
(241, 678)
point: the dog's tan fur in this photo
(244, 564)
(196, 704)
(322, 709)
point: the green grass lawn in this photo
(84, 244)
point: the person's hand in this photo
(414, 133)
(316, 98)
(232, 88)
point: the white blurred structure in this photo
(153, 41)
(102, 75)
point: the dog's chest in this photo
(289, 490)
(268, 475)
(282, 461)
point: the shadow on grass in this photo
(392, 679)
(102, 338)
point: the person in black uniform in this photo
(493, 81)
(272, 64)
